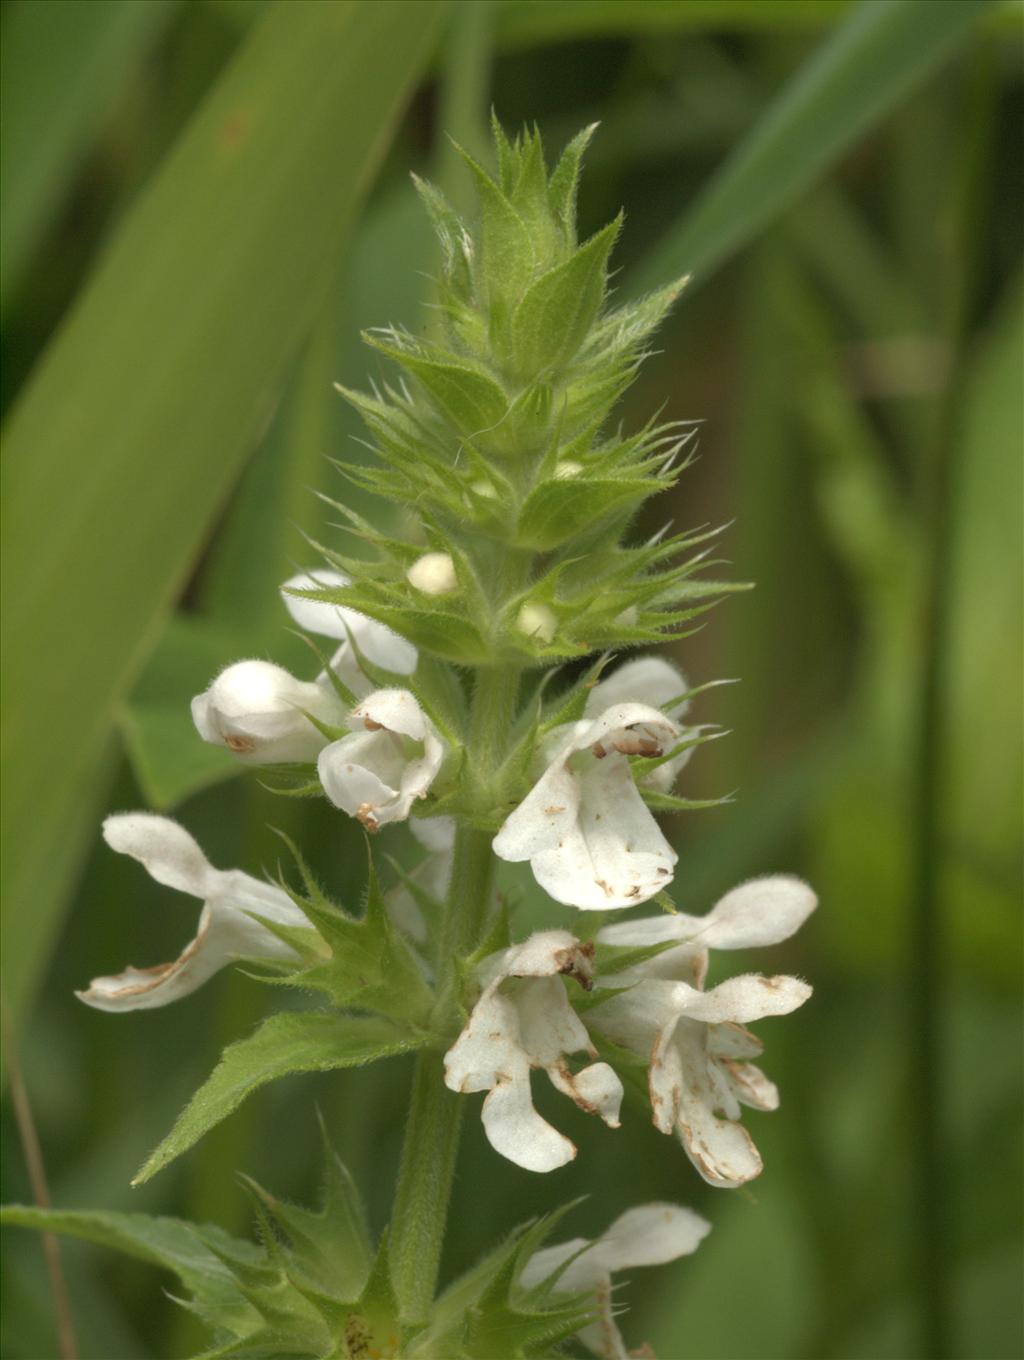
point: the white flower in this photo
(433, 574)
(585, 829)
(522, 1020)
(699, 1052)
(376, 773)
(648, 1235)
(258, 710)
(378, 643)
(646, 680)
(227, 928)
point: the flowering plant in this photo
(453, 702)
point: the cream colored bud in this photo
(485, 489)
(433, 574)
(537, 621)
(567, 469)
(628, 618)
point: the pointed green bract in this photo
(361, 962)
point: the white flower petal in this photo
(515, 1129)
(227, 931)
(488, 1049)
(379, 644)
(313, 616)
(166, 850)
(257, 710)
(583, 1273)
(436, 833)
(345, 667)
(633, 1018)
(644, 680)
(383, 647)
(595, 1089)
(548, 1025)
(648, 930)
(721, 1150)
(666, 1077)
(648, 680)
(586, 831)
(733, 1041)
(630, 729)
(543, 954)
(603, 1338)
(750, 1085)
(764, 911)
(746, 998)
(544, 818)
(684, 963)
(146, 988)
(530, 1024)
(371, 774)
(361, 772)
(650, 1235)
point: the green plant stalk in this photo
(435, 1114)
(935, 1191)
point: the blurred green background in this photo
(202, 204)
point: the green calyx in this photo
(493, 442)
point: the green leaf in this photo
(308, 1041)
(559, 509)
(61, 69)
(564, 179)
(123, 445)
(531, 23)
(857, 76)
(195, 1253)
(506, 247)
(468, 397)
(557, 310)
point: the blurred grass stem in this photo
(929, 1046)
(66, 1342)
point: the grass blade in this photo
(142, 409)
(856, 77)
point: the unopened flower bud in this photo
(537, 621)
(258, 711)
(566, 469)
(433, 574)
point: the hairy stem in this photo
(435, 1114)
